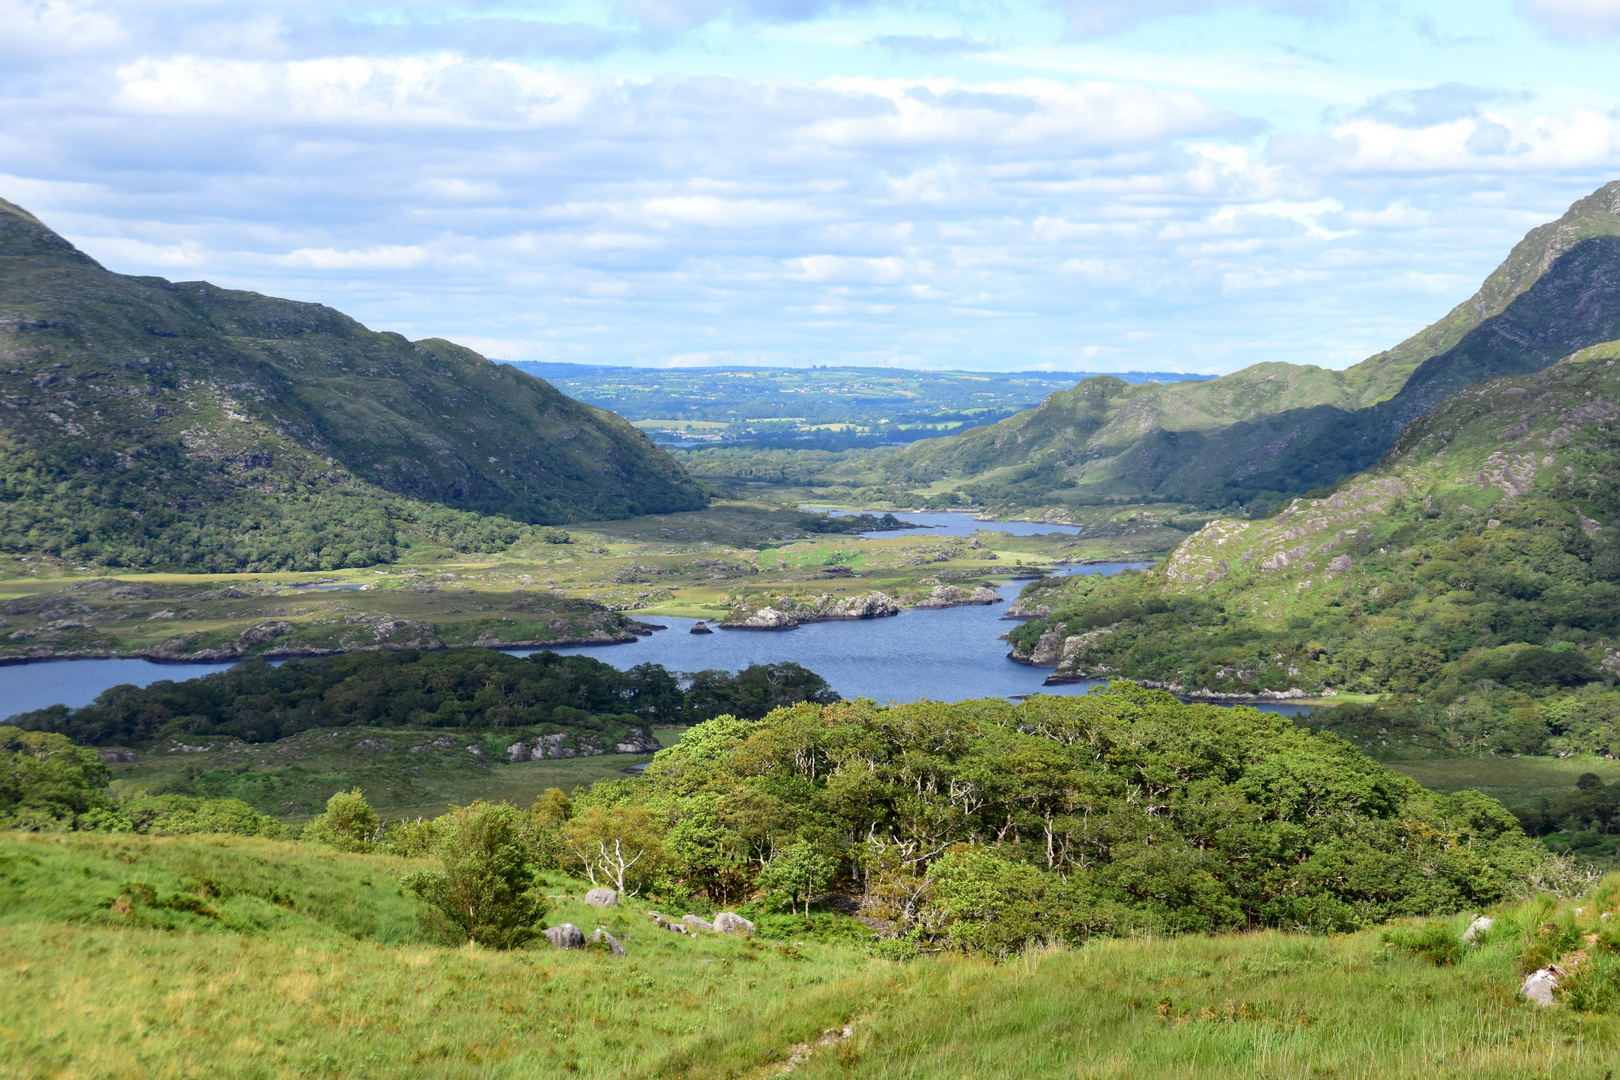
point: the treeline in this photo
(470, 689)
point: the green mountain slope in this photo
(1273, 430)
(1477, 569)
(152, 423)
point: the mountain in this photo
(177, 424)
(1474, 574)
(1254, 437)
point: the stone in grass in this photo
(729, 922)
(697, 923)
(566, 936)
(1476, 930)
(1539, 985)
(602, 898)
(612, 942)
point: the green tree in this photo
(485, 892)
(621, 846)
(47, 783)
(802, 869)
(543, 827)
(349, 824)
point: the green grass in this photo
(284, 960)
(294, 777)
(1511, 781)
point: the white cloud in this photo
(1575, 19)
(377, 257)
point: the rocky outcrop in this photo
(1028, 607)
(1539, 985)
(874, 605)
(637, 741)
(602, 898)
(558, 744)
(699, 628)
(945, 596)
(697, 922)
(1476, 930)
(766, 618)
(566, 936)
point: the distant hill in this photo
(1478, 566)
(1274, 430)
(149, 423)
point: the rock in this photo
(602, 898)
(1476, 930)
(637, 741)
(768, 618)
(697, 923)
(1539, 985)
(874, 605)
(566, 936)
(699, 628)
(729, 922)
(612, 942)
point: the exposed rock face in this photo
(1027, 607)
(766, 618)
(559, 744)
(874, 605)
(612, 942)
(637, 741)
(944, 596)
(729, 922)
(697, 923)
(602, 898)
(566, 936)
(1539, 986)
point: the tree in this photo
(47, 783)
(802, 869)
(543, 827)
(485, 893)
(349, 824)
(621, 845)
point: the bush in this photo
(1437, 942)
(349, 824)
(180, 815)
(485, 893)
(413, 839)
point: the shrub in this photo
(349, 824)
(621, 845)
(180, 815)
(47, 783)
(413, 839)
(485, 893)
(1437, 942)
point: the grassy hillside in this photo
(180, 425)
(212, 955)
(1273, 430)
(1474, 577)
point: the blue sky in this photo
(1181, 185)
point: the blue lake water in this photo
(951, 523)
(947, 655)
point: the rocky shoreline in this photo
(1062, 653)
(873, 605)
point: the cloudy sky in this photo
(1103, 185)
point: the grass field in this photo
(226, 956)
(404, 773)
(1512, 781)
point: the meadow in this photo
(206, 956)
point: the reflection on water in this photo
(947, 655)
(953, 523)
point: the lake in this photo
(947, 654)
(955, 523)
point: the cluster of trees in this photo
(460, 688)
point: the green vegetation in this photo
(182, 426)
(1472, 579)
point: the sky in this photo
(1070, 185)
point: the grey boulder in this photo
(729, 922)
(612, 942)
(602, 898)
(697, 923)
(1476, 930)
(1539, 985)
(566, 936)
